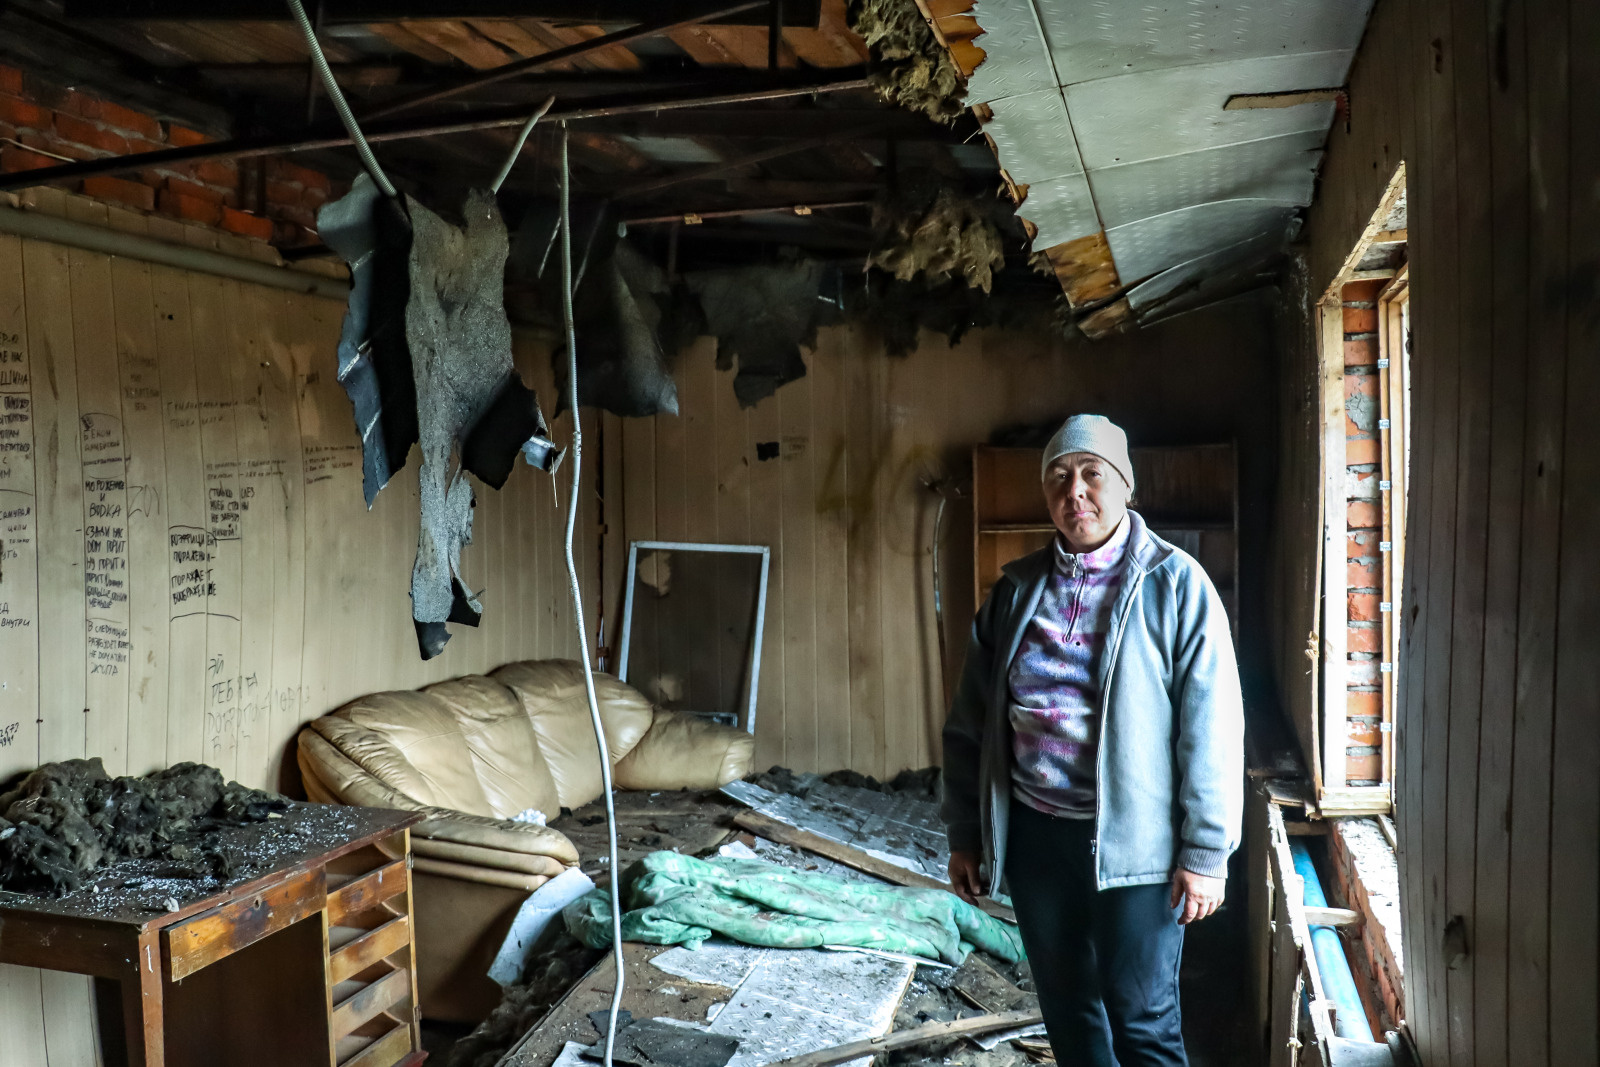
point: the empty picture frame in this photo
(631, 586)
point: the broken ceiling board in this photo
(1092, 39)
(1149, 246)
(1032, 135)
(1280, 168)
(1108, 320)
(1159, 113)
(1195, 272)
(1084, 269)
(1061, 210)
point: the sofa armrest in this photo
(686, 752)
(334, 776)
(466, 872)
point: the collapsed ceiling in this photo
(1161, 150)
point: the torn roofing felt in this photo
(761, 315)
(373, 235)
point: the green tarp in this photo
(673, 899)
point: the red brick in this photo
(46, 144)
(1361, 543)
(1363, 353)
(286, 194)
(79, 132)
(1360, 450)
(183, 136)
(297, 215)
(125, 119)
(134, 194)
(190, 208)
(1363, 768)
(1361, 703)
(13, 159)
(1364, 607)
(1363, 639)
(1363, 576)
(1360, 320)
(1362, 515)
(188, 188)
(1363, 291)
(22, 114)
(313, 198)
(10, 81)
(293, 172)
(217, 172)
(247, 224)
(1363, 734)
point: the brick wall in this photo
(1368, 882)
(1364, 531)
(44, 125)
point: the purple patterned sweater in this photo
(1055, 681)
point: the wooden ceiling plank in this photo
(461, 41)
(1085, 269)
(510, 35)
(619, 58)
(403, 39)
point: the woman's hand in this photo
(1200, 895)
(964, 876)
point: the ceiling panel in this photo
(1152, 245)
(1033, 137)
(1194, 273)
(1102, 38)
(1061, 208)
(1159, 113)
(1283, 169)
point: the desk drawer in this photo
(222, 931)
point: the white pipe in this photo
(73, 234)
(577, 596)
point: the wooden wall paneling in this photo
(58, 501)
(19, 538)
(674, 460)
(22, 1033)
(906, 616)
(703, 660)
(1575, 924)
(1471, 354)
(1534, 842)
(187, 543)
(1506, 104)
(797, 566)
(260, 531)
(766, 528)
(730, 467)
(103, 526)
(864, 474)
(830, 401)
(635, 491)
(286, 324)
(139, 366)
(216, 403)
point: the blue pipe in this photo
(1337, 981)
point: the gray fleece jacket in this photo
(1171, 756)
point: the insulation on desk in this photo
(66, 819)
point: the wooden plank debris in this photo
(921, 1035)
(988, 989)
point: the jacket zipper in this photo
(1105, 703)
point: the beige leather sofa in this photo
(473, 752)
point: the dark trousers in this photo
(1105, 962)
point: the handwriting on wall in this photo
(8, 734)
(105, 543)
(323, 462)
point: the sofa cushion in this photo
(506, 755)
(411, 742)
(686, 752)
(552, 695)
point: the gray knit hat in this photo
(1090, 433)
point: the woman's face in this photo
(1087, 499)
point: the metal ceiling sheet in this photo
(1062, 208)
(1283, 169)
(1017, 59)
(1159, 113)
(1102, 38)
(1033, 137)
(1152, 245)
(1155, 292)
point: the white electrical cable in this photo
(335, 94)
(577, 596)
(516, 147)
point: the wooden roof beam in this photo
(806, 13)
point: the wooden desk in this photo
(301, 954)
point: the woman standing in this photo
(1094, 758)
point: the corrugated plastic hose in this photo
(577, 596)
(336, 95)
